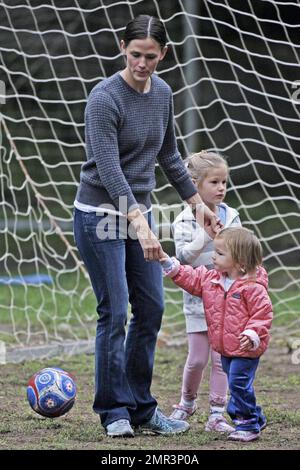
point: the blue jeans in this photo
(119, 274)
(242, 406)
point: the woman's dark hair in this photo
(145, 26)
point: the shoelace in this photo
(161, 420)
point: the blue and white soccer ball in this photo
(51, 392)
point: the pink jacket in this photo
(245, 308)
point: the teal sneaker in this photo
(119, 428)
(160, 424)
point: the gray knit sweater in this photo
(126, 132)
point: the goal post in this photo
(233, 67)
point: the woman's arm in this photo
(102, 121)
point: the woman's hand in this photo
(212, 221)
(150, 244)
(203, 215)
(212, 233)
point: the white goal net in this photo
(233, 66)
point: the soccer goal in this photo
(234, 70)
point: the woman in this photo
(129, 124)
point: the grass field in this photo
(277, 387)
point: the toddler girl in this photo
(238, 313)
(194, 246)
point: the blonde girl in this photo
(194, 246)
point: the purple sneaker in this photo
(244, 436)
(218, 423)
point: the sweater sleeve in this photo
(171, 162)
(102, 120)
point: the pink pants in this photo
(199, 349)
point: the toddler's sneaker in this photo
(160, 424)
(262, 422)
(218, 423)
(244, 436)
(182, 413)
(120, 428)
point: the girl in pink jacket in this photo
(238, 313)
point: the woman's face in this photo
(143, 56)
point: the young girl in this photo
(194, 246)
(239, 314)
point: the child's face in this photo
(213, 188)
(222, 258)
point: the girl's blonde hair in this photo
(199, 164)
(244, 247)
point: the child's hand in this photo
(168, 264)
(245, 343)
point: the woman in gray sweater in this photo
(129, 125)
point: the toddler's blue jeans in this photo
(242, 407)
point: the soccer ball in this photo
(51, 392)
